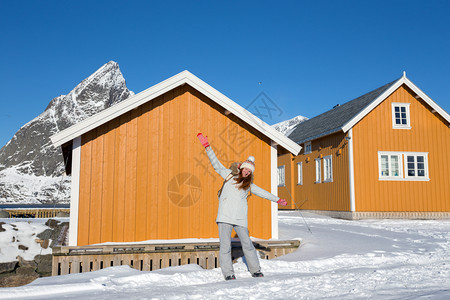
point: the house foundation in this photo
(382, 215)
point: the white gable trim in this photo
(427, 99)
(386, 94)
(75, 192)
(151, 93)
(351, 171)
(274, 189)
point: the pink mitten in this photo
(282, 202)
(203, 140)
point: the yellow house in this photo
(384, 154)
(139, 172)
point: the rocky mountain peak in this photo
(103, 88)
(29, 159)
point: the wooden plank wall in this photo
(429, 133)
(334, 195)
(144, 175)
(288, 190)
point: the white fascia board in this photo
(386, 94)
(427, 99)
(117, 110)
(372, 105)
(161, 88)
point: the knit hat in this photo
(249, 164)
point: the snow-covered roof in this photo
(151, 93)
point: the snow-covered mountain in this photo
(286, 127)
(31, 168)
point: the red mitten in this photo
(282, 202)
(203, 140)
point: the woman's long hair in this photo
(244, 181)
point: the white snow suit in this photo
(233, 201)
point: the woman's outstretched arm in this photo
(217, 165)
(266, 195)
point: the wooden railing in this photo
(149, 257)
(36, 212)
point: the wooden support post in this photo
(75, 268)
(85, 264)
(55, 261)
(64, 267)
(155, 262)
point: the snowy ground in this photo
(382, 259)
(21, 232)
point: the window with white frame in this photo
(318, 170)
(327, 169)
(400, 116)
(403, 166)
(300, 173)
(308, 148)
(389, 165)
(416, 165)
(281, 181)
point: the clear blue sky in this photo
(308, 55)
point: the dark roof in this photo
(334, 119)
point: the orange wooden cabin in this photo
(139, 172)
(383, 155)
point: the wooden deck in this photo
(149, 257)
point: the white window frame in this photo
(380, 167)
(408, 119)
(300, 173)
(281, 176)
(308, 147)
(403, 166)
(318, 170)
(328, 168)
(415, 155)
